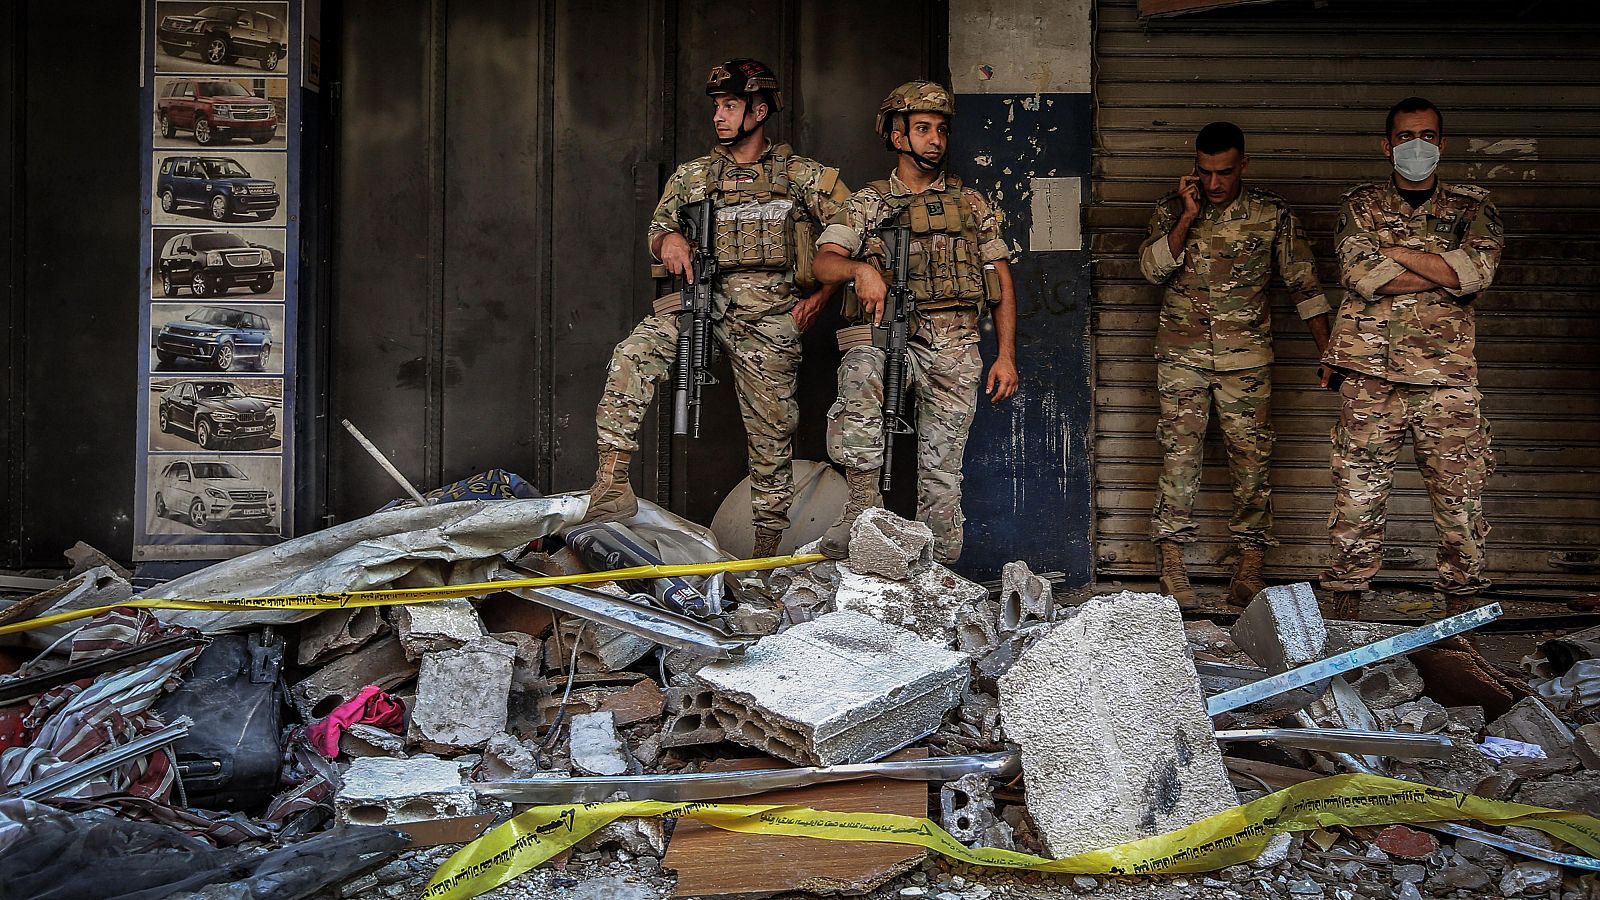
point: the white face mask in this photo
(1416, 159)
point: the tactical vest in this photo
(946, 270)
(758, 224)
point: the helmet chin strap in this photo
(743, 132)
(921, 162)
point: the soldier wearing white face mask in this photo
(1413, 254)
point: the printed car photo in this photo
(219, 185)
(218, 336)
(223, 35)
(215, 111)
(208, 263)
(212, 494)
(216, 412)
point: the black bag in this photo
(234, 693)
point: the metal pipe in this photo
(1347, 740)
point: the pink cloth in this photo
(370, 706)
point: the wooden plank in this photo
(713, 863)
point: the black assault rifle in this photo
(892, 338)
(696, 349)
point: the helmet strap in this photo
(744, 132)
(916, 158)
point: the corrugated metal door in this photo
(1521, 97)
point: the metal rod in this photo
(61, 779)
(1348, 740)
(1351, 659)
(656, 624)
(383, 461)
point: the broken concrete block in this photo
(1024, 597)
(528, 662)
(931, 604)
(1282, 628)
(384, 791)
(756, 617)
(382, 662)
(692, 720)
(461, 695)
(806, 593)
(1420, 716)
(594, 746)
(882, 543)
(601, 648)
(1388, 684)
(440, 625)
(84, 557)
(1587, 745)
(842, 688)
(641, 837)
(369, 740)
(1116, 743)
(966, 807)
(977, 629)
(504, 756)
(336, 632)
(1530, 720)
(1344, 636)
(642, 702)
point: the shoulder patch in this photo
(1470, 191)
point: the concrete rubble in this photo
(1282, 628)
(461, 695)
(385, 791)
(595, 747)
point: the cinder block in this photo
(440, 625)
(461, 695)
(380, 790)
(842, 688)
(1387, 684)
(1531, 721)
(1282, 628)
(691, 719)
(601, 648)
(1024, 597)
(382, 662)
(882, 543)
(1116, 743)
(931, 605)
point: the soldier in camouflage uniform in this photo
(1413, 253)
(769, 204)
(958, 268)
(1213, 244)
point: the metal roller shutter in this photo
(1519, 84)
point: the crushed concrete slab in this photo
(1116, 743)
(932, 604)
(440, 625)
(595, 747)
(384, 791)
(806, 593)
(1388, 684)
(1024, 597)
(691, 718)
(337, 632)
(882, 543)
(1282, 628)
(1531, 721)
(842, 688)
(369, 740)
(382, 662)
(461, 695)
(505, 756)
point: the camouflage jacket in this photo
(1427, 337)
(1215, 313)
(817, 189)
(867, 210)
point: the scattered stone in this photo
(1085, 883)
(595, 747)
(1024, 597)
(382, 662)
(928, 605)
(1530, 877)
(1420, 716)
(882, 543)
(1587, 745)
(1410, 874)
(1531, 721)
(1305, 887)
(1461, 875)
(337, 632)
(384, 791)
(843, 688)
(369, 740)
(461, 695)
(1116, 743)
(1406, 843)
(1388, 684)
(1282, 628)
(611, 887)
(1407, 891)
(440, 625)
(642, 702)
(1276, 851)
(507, 757)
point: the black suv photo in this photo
(222, 34)
(210, 262)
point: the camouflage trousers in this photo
(1243, 400)
(1450, 438)
(945, 370)
(763, 346)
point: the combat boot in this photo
(1175, 577)
(1247, 583)
(864, 495)
(767, 540)
(611, 498)
(1344, 605)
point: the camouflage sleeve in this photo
(861, 214)
(1362, 267)
(1298, 268)
(665, 218)
(823, 193)
(991, 246)
(1476, 260)
(1156, 261)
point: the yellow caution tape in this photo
(1233, 836)
(400, 596)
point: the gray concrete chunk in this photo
(842, 688)
(1116, 743)
(594, 746)
(1531, 721)
(383, 791)
(1389, 683)
(1024, 597)
(440, 625)
(1282, 628)
(382, 662)
(461, 695)
(934, 604)
(882, 543)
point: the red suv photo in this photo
(216, 111)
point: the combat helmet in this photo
(743, 77)
(913, 96)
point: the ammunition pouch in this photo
(946, 270)
(755, 235)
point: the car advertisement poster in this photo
(218, 294)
